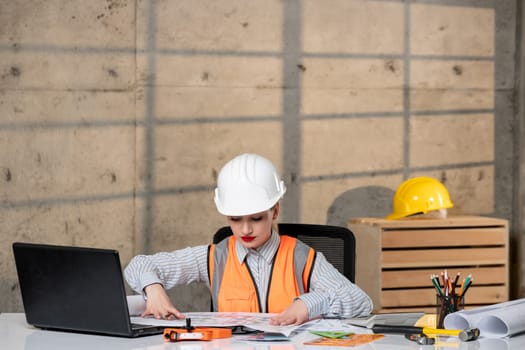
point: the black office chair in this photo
(336, 243)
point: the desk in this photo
(16, 334)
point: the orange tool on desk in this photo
(195, 333)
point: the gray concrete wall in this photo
(519, 204)
(115, 116)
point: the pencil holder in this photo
(447, 304)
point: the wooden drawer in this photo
(395, 258)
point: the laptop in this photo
(75, 289)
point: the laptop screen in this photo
(72, 288)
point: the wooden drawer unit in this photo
(395, 258)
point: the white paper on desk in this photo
(136, 305)
(391, 318)
(332, 325)
(256, 321)
(502, 343)
(494, 321)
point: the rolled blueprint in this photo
(494, 321)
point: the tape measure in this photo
(198, 333)
(195, 333)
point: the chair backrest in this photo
(335, 242)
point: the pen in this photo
(435, 282)
(466, 287)
(456, 281)
(461, 288)
(466, 281)
(332, 317)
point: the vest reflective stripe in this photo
(236, 290)
(216, 263)
(304, 271)
(303, 261)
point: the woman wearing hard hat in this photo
(253, 270)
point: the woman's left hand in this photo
(297, 313)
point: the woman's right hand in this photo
(159, 304)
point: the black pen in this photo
(466, 287)
(332, 317)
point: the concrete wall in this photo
(115, 116)
(519, 204)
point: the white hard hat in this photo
(246, 185)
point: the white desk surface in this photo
(16, 334)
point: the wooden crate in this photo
(395, 258)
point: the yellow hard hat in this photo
(419, 195)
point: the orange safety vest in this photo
(234, 290)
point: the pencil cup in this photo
(447, 304)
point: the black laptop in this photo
(75, 289)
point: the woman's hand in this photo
(159, 304)
(297, 313)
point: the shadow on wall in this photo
(370, 201)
